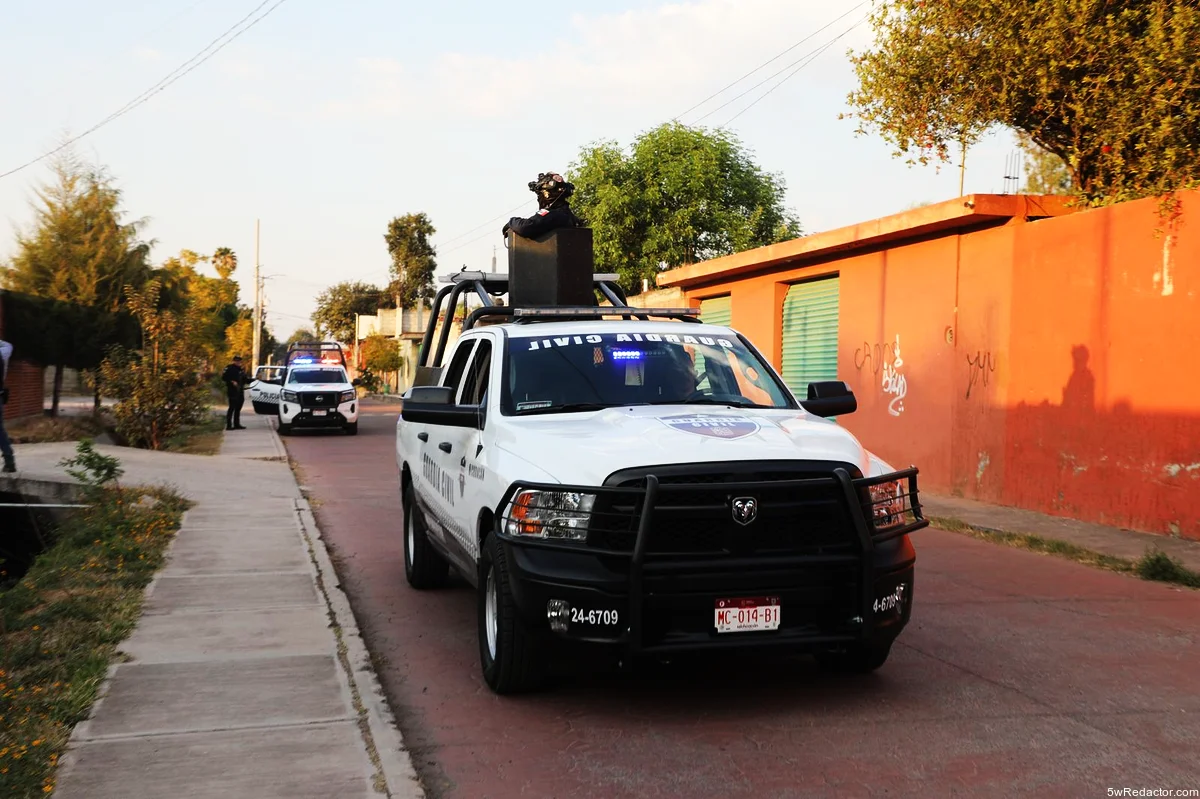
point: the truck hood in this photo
(330, 387)
(585, 448)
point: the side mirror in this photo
(830, 398)
(434, 405)
(356, 382)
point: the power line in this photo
(167, 22)
(803, 61)
(812, 57)
(171, 77)
(765, 63)
(491, 221)
(806, 59)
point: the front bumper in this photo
(339, 416)
(642, 602)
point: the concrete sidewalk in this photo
(1114, 541)
(246, 675)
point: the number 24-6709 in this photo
(581, 616)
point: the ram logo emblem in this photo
(745, 510)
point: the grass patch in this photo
(48, 429)
(1161, 567)
(202, 438)
(1154, 565)
(61, 624)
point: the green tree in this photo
(338, 304)
(413, 258)
(1110, 87)
(158, 386)
(382, 354)
(80, 254)
(679, 196)
(301, 334)
(1045, 172)
(214, 300)
(239, 338)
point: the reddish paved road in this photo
(1020, 673)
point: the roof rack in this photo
(553, 285)
(306, 352)
(487, 284)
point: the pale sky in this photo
(326, 119)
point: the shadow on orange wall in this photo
(1118, 466)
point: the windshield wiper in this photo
(569, 407)
(711, 401)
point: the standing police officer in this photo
(6, 449)
(235, 379)
(553, 209)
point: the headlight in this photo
(290, 396)
(550, 514)
(347, 396)
(887, 504)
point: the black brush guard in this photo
(631, 509)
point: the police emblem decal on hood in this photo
(727, 427)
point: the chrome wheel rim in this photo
(410, 537)
(491, 622)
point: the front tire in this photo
(423, 566)
(352, 428)
(856, 659)
(284, 428)
(513, 659)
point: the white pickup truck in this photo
(646, 487)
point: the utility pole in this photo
(962, 168)
(257, 304)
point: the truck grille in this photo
(319, 399)
(694, 512)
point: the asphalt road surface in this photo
(1020, 674)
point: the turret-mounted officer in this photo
(553, 209)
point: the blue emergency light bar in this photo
(627, 355)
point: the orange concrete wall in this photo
(1045, 364)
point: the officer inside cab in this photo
(554, 211)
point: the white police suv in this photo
(646, 486)
(313, 391)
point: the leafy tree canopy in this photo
(680, 195)
(1045, 172)
(337, 305)
(79, 249)
(159, 387)
(382, 354)
(301, 334)
(1110, 87)
(413, 258)
(214, 300)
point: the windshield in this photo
(310, 376)
(591, 372)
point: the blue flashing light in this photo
(303, 360)
(627, 355)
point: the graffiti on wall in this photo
(979, 369)
(884, 361)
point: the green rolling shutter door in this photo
(716, 311)
(810, 334)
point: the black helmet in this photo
(550, 187)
